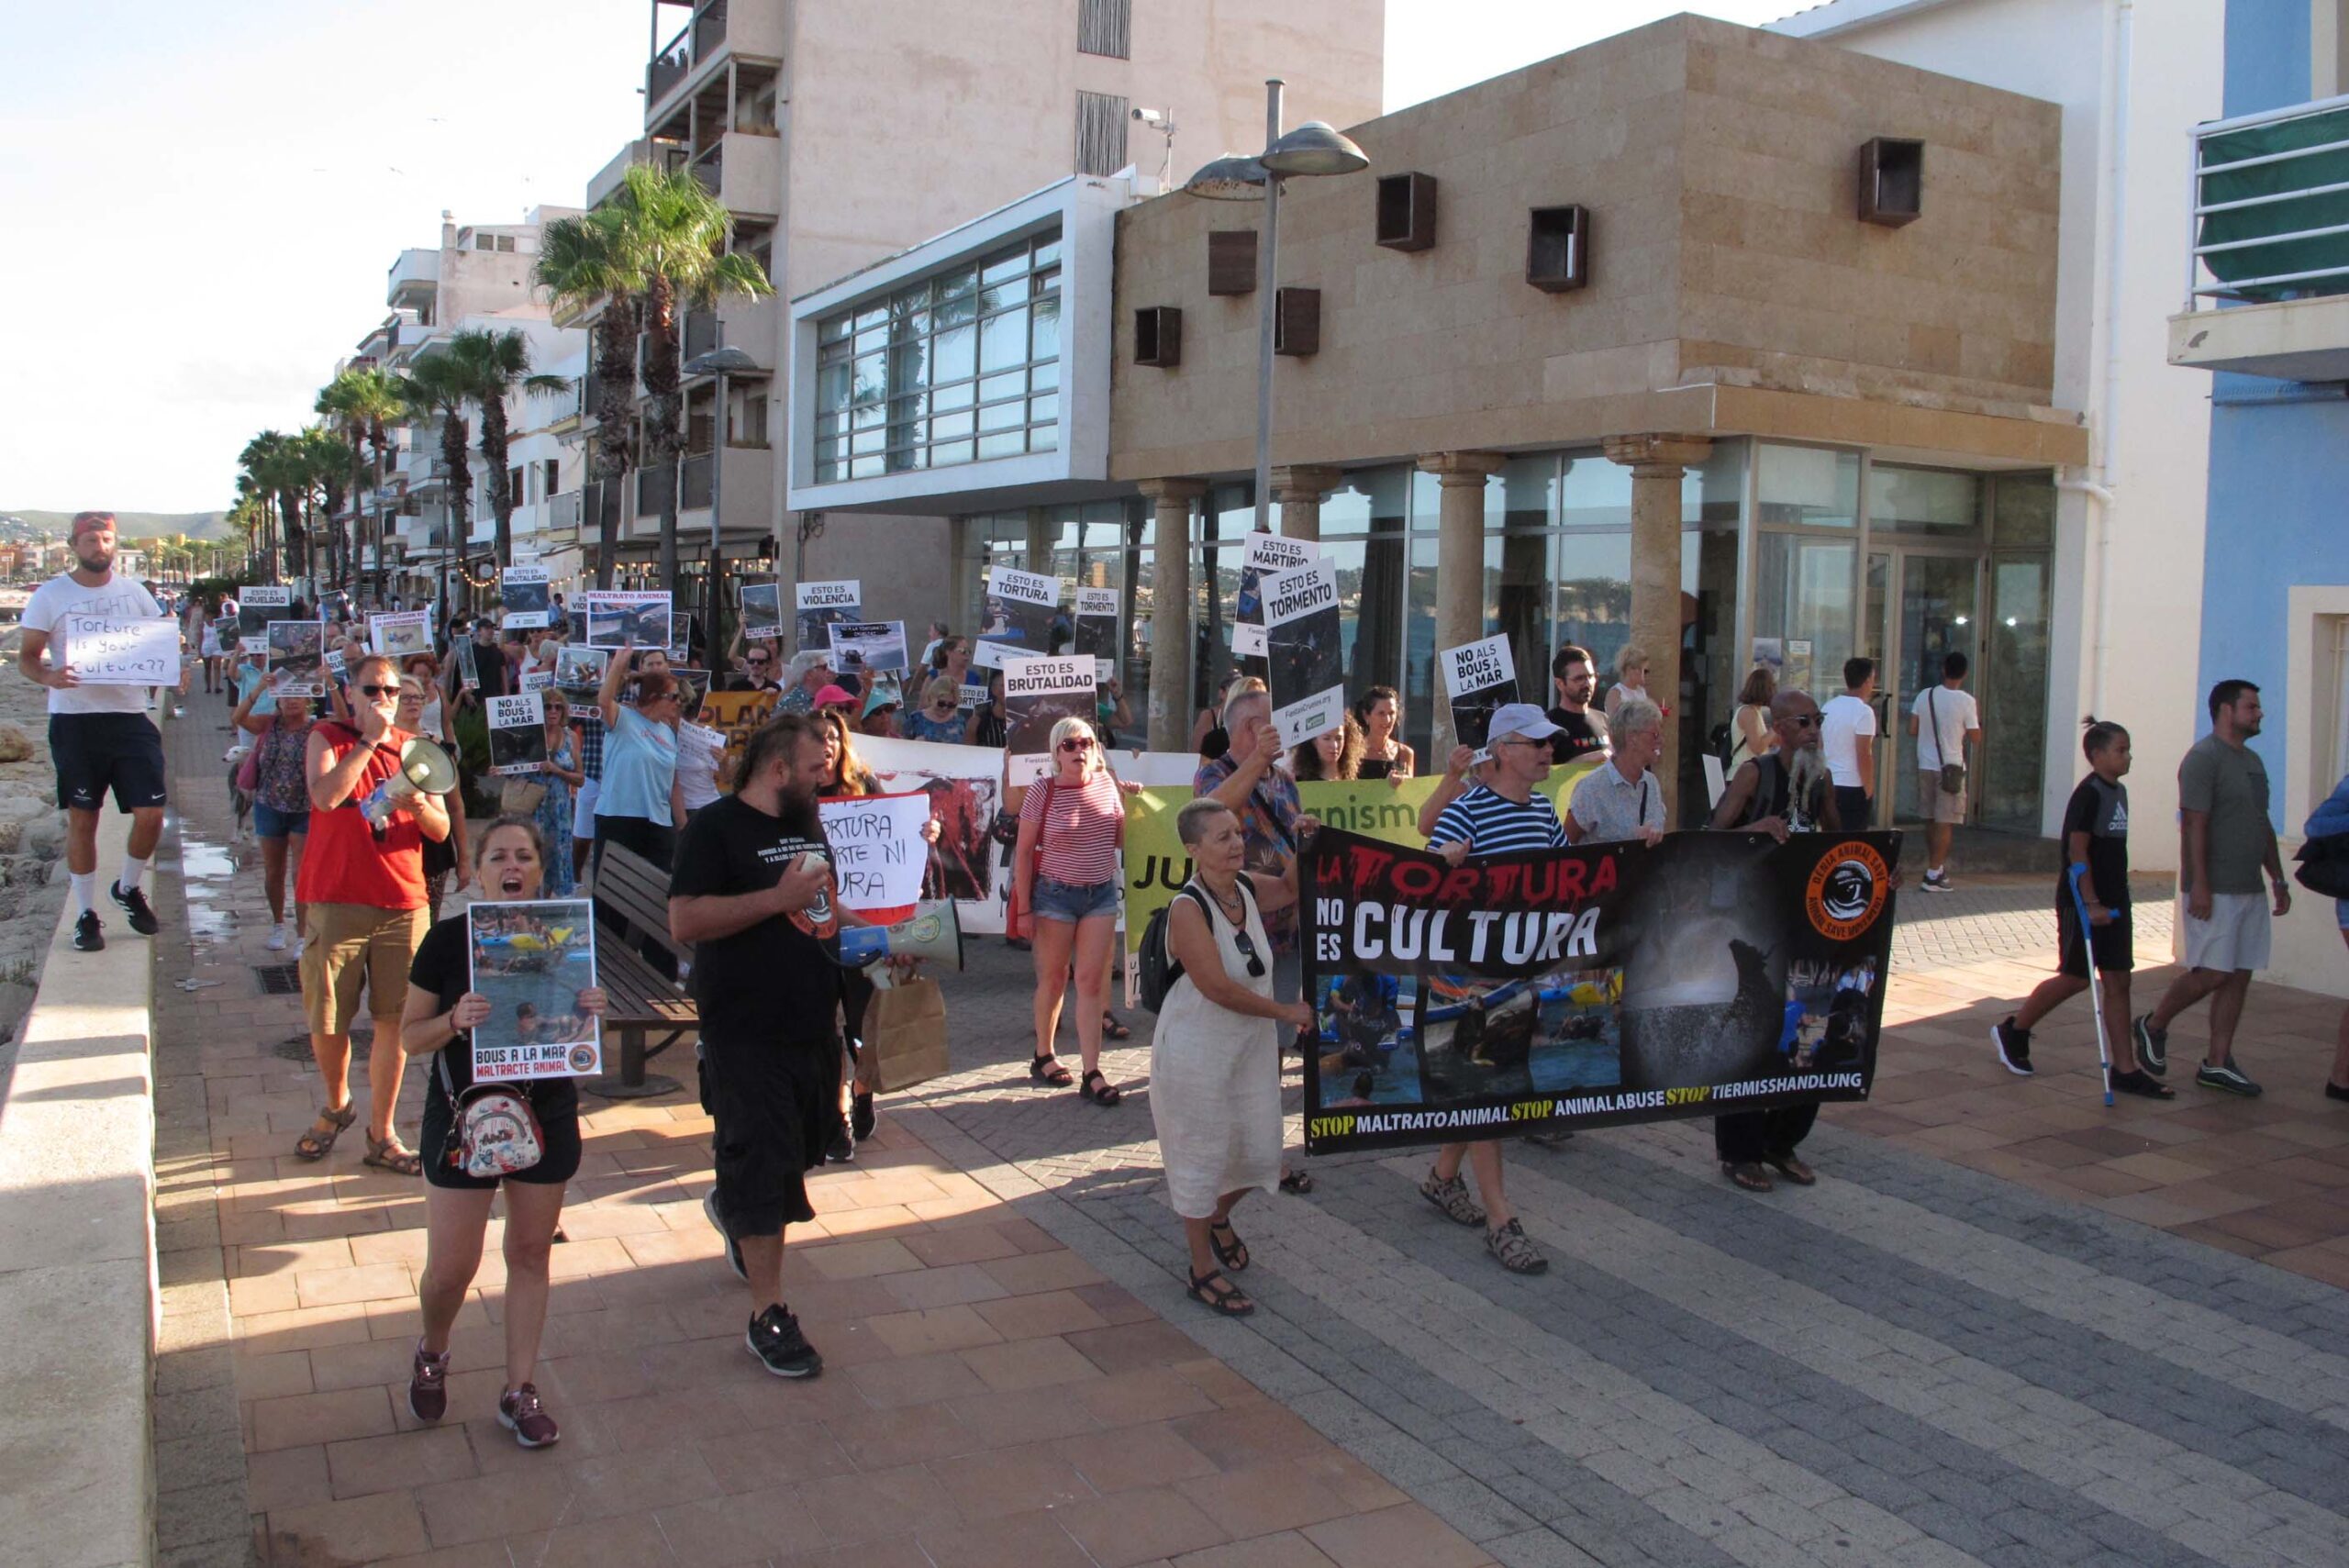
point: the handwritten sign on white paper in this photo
(122, 652)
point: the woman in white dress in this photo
(1214, 1061)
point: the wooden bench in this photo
(632, 906)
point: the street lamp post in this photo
(721, 363)
(1314, 148)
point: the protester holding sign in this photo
(634, 805)
(1065, 882)
(442, 1008)
(280, 796)
(1215, 1081)
(100, 738)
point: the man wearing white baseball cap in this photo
(1504, 813)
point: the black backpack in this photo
(1723, 741)
(2323, 866)
(1155, 969)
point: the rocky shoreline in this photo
(32, 842)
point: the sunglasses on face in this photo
(1248, 950)
(1077, 745)
(381, 691)
(1805, 721)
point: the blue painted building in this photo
(2269, 318)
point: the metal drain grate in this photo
(279, 979)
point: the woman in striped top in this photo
(1066, 865)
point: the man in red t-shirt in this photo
(363, 888)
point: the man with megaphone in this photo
(376, 794)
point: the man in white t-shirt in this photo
(100, 738)
(1847, 742)
(1944, 722)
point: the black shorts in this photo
(97, 751)
(556, 1102)
(2114, 943)
(775, 1104)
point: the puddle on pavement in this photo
(209, 872)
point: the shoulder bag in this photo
(1952, 773)
(495, 1132)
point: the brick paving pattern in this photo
(2009, 1327)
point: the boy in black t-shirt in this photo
(752, 890)
(2095, 836)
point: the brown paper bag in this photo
(904, 1029)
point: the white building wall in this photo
(2152, 421)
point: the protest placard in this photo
(1264, 554)
(532, 960)
(1478, 677)
(334, 665)
(258, 605)
(532, 680)
(518, 733)
(1037, 694)
(817, 605)
(615, 619)
(1587, 986)
(1018, 619)
(858, 646)
(579, 672)
(878, 852)
(524, 596)
(965, 788)
(297, 652)
(932, 931)
(107, 652)
(1306, 665)
(762, 610)
(400, 633)
(737, 715)
(1096, 630)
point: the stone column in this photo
(1041, 536)
(1170, 610)
(1459, 571)
(1657, 463)
(1299, 491)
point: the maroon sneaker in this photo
(519, 1412)
(428, 1385)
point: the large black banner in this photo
(1582, 987)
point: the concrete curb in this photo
(77, 1256)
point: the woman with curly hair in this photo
(1334, 754)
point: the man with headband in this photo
(100, 738)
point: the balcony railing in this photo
(2271, 206)
(710, 167)
(653, 486)
(696, 40)
(697, 483)
(709, 29)
(701, 332)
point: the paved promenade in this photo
(2008, 1327)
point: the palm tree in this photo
(273, 462)
(435, 383)
(579, 266)
(325, 486)
(662, 238)
(498, 364)
(362, 403)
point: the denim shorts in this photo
(1074, 901)
(271, 823)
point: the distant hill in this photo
(127, 525)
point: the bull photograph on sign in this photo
(1575, 987)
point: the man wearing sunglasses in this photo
(758, 669)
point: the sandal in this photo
(387, 1155)
(1225, 1303)
(2144, 1083)
(1791, 1167)
(1113, 1027)
(1296, 1183)
(1047, 1070)
(1107, 1094)
(317, 1143)
(1232, 1255)
(1746, 1174)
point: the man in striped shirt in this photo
(1506, 813)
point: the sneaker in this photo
(299, 944)
(2228, 1077)
(1514, 1250)
(2153, 1045)
(276, 942)
(733, 1247)
(88, 935)
(774, 1338)
(1453, 1197)
(860, 1118)
(1939, 882)
(842, 1150)
(2014, 1046)
(1548, 1139)
(428, 1385)
(519, 1412)
(134, 903)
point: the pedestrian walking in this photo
(281, 796)
(1215, 1079)
(100, 740)
(362, 887)
(2095, 837)
(1506, 813)
(753, 892)
(1847, 742)
(1786, 790)
(1944, 722)
(2228, 840)
(1065, 872)
(436, 1021)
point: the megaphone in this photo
(425, 769)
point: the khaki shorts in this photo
(1936, 806)
(2237, 935)
(346, 944)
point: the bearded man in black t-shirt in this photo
(1582, 729)
(753, 891)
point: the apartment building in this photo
(840, 135)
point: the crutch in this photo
(2095, 980)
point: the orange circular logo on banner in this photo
(1848, 887)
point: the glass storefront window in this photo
(1924, 502)
(2024, 511)
(1805, 486)
(2013, 684)
(1803, 593)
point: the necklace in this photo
(1233, 909)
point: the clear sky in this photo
(203, 199)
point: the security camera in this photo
(1151, 116)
